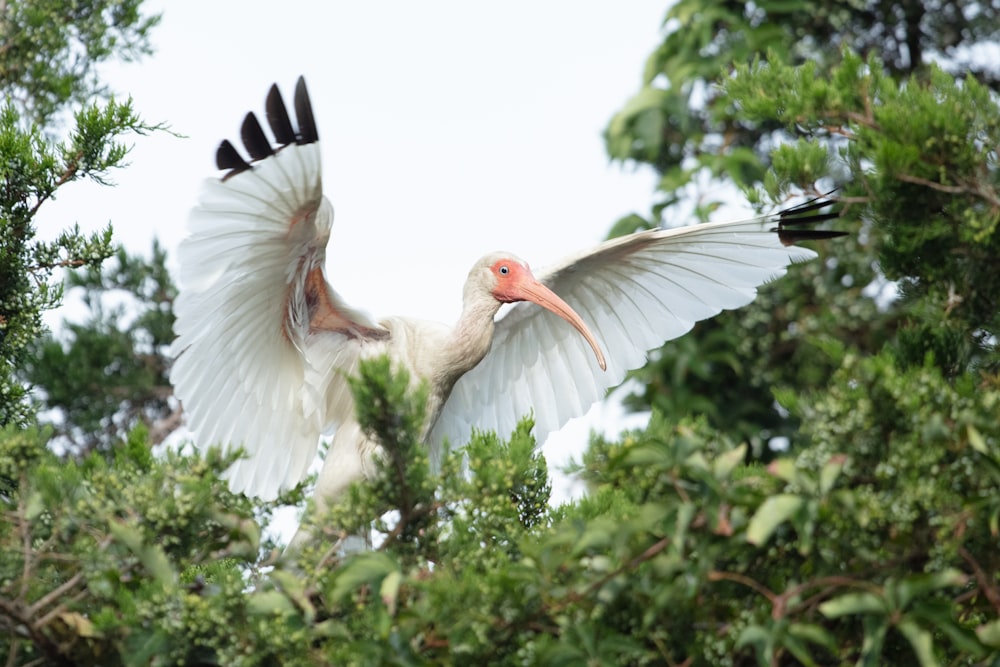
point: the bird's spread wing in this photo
(634, 292)
(263, 340)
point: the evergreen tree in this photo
(682, 124)
(107, 374)
(48, 55)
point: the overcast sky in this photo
(449, 130)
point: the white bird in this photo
(265, 345)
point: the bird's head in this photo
(508, 279)
(508, 276)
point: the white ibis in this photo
(265, 344)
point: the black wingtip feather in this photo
(254, 139)
(792, 220)
(304, 114)
(793, 236)
(813, 204)
(809, 219)
(277, 117)
(227, 157)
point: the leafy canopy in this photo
(48, 55)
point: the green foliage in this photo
(770, 96)
(920, 157)
(50, 50)
(508, 480)
(47, 56)
(850, 551)
(669, 123)
(729, 368)
(108, 373)
(85, 545)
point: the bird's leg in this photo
(351, 458)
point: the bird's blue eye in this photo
(504, 270)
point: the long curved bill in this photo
(536, 292)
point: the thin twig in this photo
(866, 119)
(61, 264)
(982, 579)
(22, 526)
(65, 177)
(651, 551)
(55, 594)
(838, 130)
(416, 512)
(917, 180)
(12, 653)
(58, 610)
(987, 195)
(717, 575)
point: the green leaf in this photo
(270, 603)
(940, 614)
(151, 556)
(976, 440)
(772, 513)
(853, 603)
(799, 649)
(598, 536)
(723, 465)
(629, 224)
(921, 642)
(916, 586)
(389, 590)
(783, 469)
(754, 635)
(685, 515)
(989, 633)
(875, 630)
(246, 529)
(35, 506)
(294, 587)
(830, 472)
(366, 568)
(143, 646)
(785, 6)
(978, 443)
(814, 634)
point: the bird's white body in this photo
(265, 345)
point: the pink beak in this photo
(529, 289)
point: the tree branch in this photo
(951, 189)
(985, 582)
(55, 594)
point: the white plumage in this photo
(265, 345)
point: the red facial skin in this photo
(515, 282)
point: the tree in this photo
(48, 55)
(683, 124)
(108, 374)
(51, 51)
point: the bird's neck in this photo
(464, 347)
(471, 337)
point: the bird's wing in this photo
(634, 292)
(263, 342)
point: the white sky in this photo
(449, 129)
